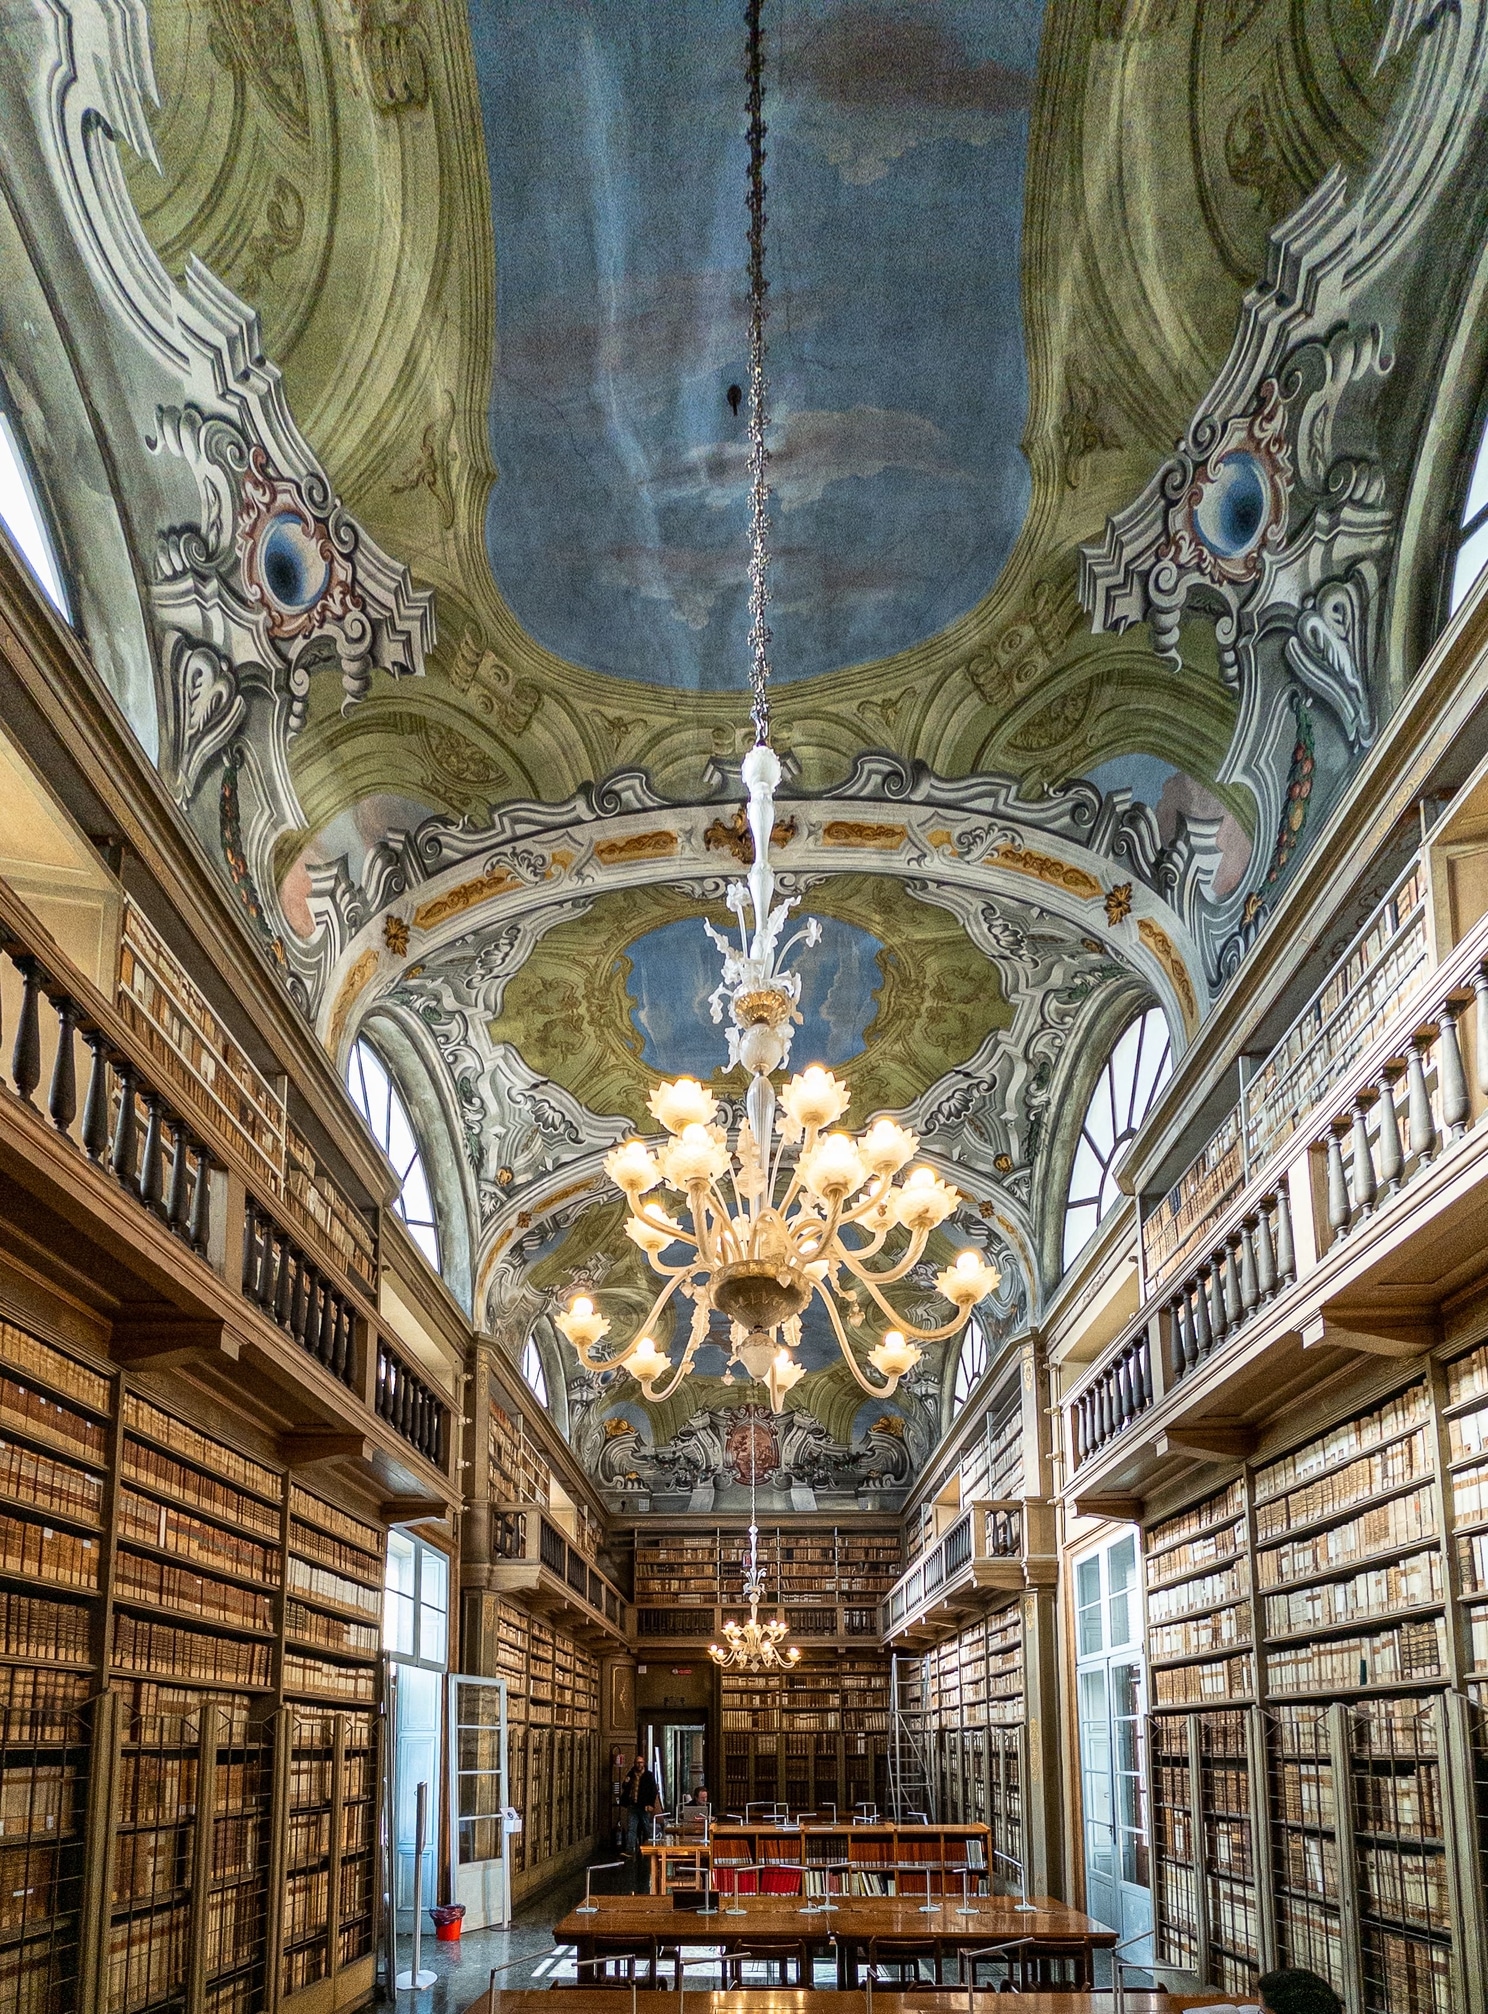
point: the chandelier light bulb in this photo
(682, 1104)
(632, 1167)
(970, 1280)
(582, 1323)
(887, 1146)
(646, 1363)
(925, 1201)
(695, 1155)
(834, 1167)
(895, 1357)
(815, 1098)
(653, 1232)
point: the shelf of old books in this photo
(164, 1820)
(552, 1707)
(1310, 1685)
(812, 1739)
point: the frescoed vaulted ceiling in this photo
(1060, 707)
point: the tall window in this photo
(1472, 534)
(376, 1097)
(25, 520)
(1135, 1072)
(415, 1617)
(532, 1370)
(971, 1363)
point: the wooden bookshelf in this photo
(190, 1648)
(827, 1581)
(552, 1711)
(814, 1738)
(1319, 1668)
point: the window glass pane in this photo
(532, 1370)
(401, 1556)
(1120, 1573)
(1477, 488)
(1138, 1067)
(20, 507)
(397, 1624)
(1088, 1601)
(376, 1098)
(434, 1579)
(1470, 563)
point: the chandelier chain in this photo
(759, 453)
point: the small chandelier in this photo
(788, 1209)
(754, 1645)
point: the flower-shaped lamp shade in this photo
(834, 1167)
(695, 1155)
(924, 1200)
(969, 1280)
(894, 1357)
(815, 1097)
(887, 1146)
(582, 1323)
(632, 1167)
(682, 1104)
(646, 1363)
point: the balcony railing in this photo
(1374, 1131)
(403, 1399)
(992, 1547)
(210, 1076)
(297, 1296)
(1386, 965)
(528, 1546)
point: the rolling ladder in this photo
(910, 1790)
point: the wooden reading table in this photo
(788, 1926)
(791, 2000)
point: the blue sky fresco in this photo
(675, 968)
(615, 139)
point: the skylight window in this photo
(376, 1097)
(970, 1364)
(1135, 1072)
(25, 520)
(533, 1372)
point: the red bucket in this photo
(447, 1920)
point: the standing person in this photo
(648, 1797)
(630, 1809)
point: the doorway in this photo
(678, 1751)
(1111, 1695)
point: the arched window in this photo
(23, 514)
(376, 1097)
(970, 1364)
(1135, 1072)
(1471, 542)
(533, 1372)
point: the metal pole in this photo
(416, 1978)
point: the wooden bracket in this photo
(303, 1450)
(1371, 1334)
(1225, 1440)
(159, 1340)
(1109, 1504)
(416, 1510)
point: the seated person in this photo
(1294, 1990)
(697, 1810)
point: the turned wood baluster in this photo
(1420, 1120)
(1144, 1373)
(1265, 1250)
(325, 1345)
(1203, 1334)
(283, 1282)
(152, 1161)
(250, 1247)
(95, 1128)
(1391, 1152)
(1233, 1306)
(1219, 1321)
(1450, 1075)
(299, 1302)
(62, 1091)
(264, 1291)
(1180, 1340)
(342, 1352)
(25, 1059)
(1365, 1188)
(1339, 1210)
(1250, 1288)
(124, 1152)
(178, 1190)
(199, 1230)
(1286, 1247)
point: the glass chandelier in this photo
(754, 1645)
(788, 1209)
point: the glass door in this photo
(1111, 1690)
(415, 1634)
(478, 1869)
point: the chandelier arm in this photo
(890, 1274)
(882, 1391)
(655, 1396)
(906, 1326)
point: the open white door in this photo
(477, 1751)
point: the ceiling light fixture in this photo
(754, 1645)
(791, 1209)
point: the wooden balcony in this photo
(532, 1555)
(182, 1248)
(1357, 1234)
(992, 1550)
